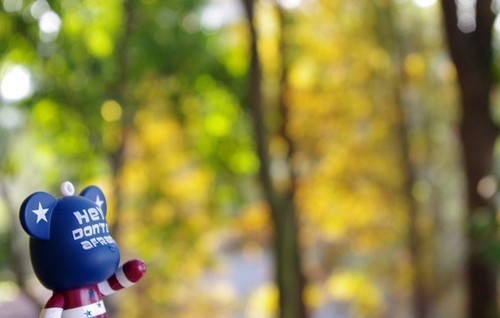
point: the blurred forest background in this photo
(267, 158)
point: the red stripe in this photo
(114, 284)
(81, 296)
(57, 300)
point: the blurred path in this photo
(21, 307)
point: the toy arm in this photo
(125, 276)
(54, 307)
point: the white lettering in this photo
(81, 216)
(94, 214)
(100, 212)
(87, 231)
(96, 241)
(86, 245)
(104, 227)
(86, 216)
(77, 234)
(91, 231)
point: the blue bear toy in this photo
(73, 253)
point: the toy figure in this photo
(72, 252)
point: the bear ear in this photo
(35, 214)
(95, 194)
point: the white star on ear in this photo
(99, 202)
(40, 213)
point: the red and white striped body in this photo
(86, 302)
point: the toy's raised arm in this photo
(54, 307)
(125, 276)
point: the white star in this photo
(40, 213)
(99, 202)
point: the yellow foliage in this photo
(268, 29)
(314, 296)
(111, 110)
(112, 137)
(303, 74)
(156, 132)
(98, 42)
(379, 59)
(217, 125)
(357, 289)
(278, 146)
(133, 177)
(263, 302)
(254, 219)
(189, 185)
(414, 65)
(162, 212)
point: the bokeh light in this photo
(16, 83)
(424, 3)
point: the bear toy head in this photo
(70, 244)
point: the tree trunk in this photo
(116, 158)
(288, 263)
(394, 41)
(472, 55)
(288, 226)
(289, 275)
(419, 300)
